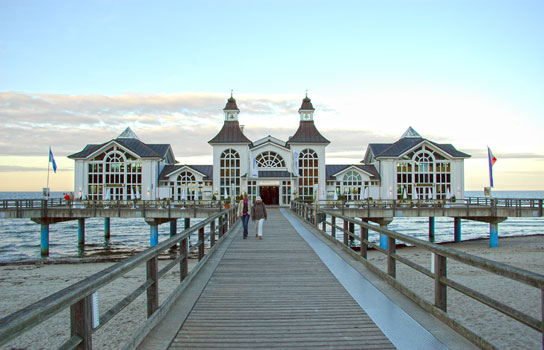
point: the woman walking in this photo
(258, 212)
(244, 208)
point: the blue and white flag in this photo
(254, 167)
(295, 162)
(52, 160)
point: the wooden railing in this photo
(441, 281)
(22, 204)
(78, 297)
(525, 203)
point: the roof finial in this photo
(231, 91)
(306, 92)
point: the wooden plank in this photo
(276, 293)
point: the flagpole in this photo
(48, 162)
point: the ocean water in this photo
(20, 238)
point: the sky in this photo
(469, 73)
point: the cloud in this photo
(32, 122)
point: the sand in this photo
(21, 285)
(500, 330)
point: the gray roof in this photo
(230, 133)
(307, 133)
(332, 169)
(207, 170)
(404, 144)
(136, 146)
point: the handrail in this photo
(308, 212)
(20, 321)
(23, 204)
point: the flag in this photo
(254, 167)
(295, 162)
(52, 160)
(492, 159)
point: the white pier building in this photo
(279, 171)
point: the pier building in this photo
(413, 167)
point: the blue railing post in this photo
(153, 234)
(80, 232)
(383, 238)
(431, 229)
(107, 228)
(493, 235)
(44, 239)
(457, 229)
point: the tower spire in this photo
(306, 110)
(231, 109)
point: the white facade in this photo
(410, 168)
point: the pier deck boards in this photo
(276, 293)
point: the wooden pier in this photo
(289, 290)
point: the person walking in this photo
(258, 212)
(244, 208)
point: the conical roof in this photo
(306, 105)
(231, 105)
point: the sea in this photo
(20, 238)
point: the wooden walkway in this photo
(276, 293)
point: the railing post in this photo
(364, 236)
(391, 262)
(153, 289)
(440, 289)
(457, 230)
(324, 223)
(107, 230)
(540, 207)
(333, 226)
(431, 229)
(81, 232)
(212, 233)
(183, 264)
(200, 243)
(81, 322)
(345, 232)
(220, 227)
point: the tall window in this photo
(352, 184)
(96, 179)
(308, 172)
(114, 175)
(426, 176)
(270, 159)
(285, 192)
(252, 190)
(229, 173)
(186, 182)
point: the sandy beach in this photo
(21, 285)
(523, 252)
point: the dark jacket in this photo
(258, 211)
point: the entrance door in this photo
(270, 194)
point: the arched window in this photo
(269, 159)
(186, 182)
(308, 162)
(114, 174)
(229, 173)
(352, 184)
